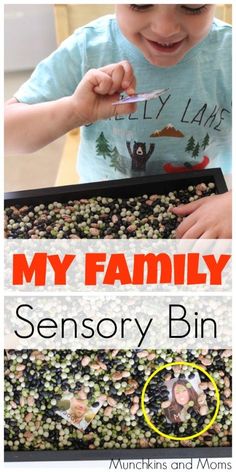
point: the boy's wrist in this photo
(70, 114)
(77, 111)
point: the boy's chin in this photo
(163, 62)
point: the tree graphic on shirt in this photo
(115, 158)
(103, 146)
(190, 145)
(196, 150)
(116, 161)
(194, 146)
(205, 141)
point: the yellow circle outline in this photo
(184, 438)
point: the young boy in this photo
(145, 47)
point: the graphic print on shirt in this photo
(198, 121)
(168, 130)
(104, 148)
(139, 155)
(187, 167)
(193, 147)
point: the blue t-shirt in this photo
(189, 127)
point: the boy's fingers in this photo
(195, 232)
(129, 80)
(187, 209)
(100, 81)
(117, 78)
(208, 235)
(183, 227)
(106, 83)
(96, 80)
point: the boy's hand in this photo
(99, 88)
(27, 131)
(206, 218)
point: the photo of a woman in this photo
(183, 396)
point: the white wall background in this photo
(29, 35)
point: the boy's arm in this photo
(30, 127)
(206, 218)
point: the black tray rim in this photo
(116, 454)
(93, 189)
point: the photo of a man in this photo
(78, 412)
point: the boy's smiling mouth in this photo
(166, 47)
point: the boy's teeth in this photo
(168, 45)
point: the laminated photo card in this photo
(140, 97)
(185, 397)
(78, 412)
